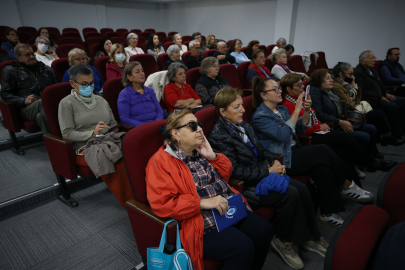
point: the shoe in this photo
(334, 220)
(379, 156)
(357, 194)
(387, 165)
(361, 174)
(288, 253)
(319, 247)
(391, 140)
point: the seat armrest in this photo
(147, 211)
(330, 124)
(236, 184)
(10, 116)
(305, 140)
(280, 156)
(124, 127)
(373, 101)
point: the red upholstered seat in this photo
(186, 43)
(93, 40)
(187, 38)
(54, 30)
(60, 66)
(229, 72)
(150, 30)
(3, 51)
(295, 64)
(100, 65)
(192, 76)
(70, 29)
(209, 53)
(228, 43)
(161, 34)
(112, 89)
(145, 35)
(89, 30)
(32, 31)
(268, 64)
(71, 35)
(242, 71)
(270, 48)
(91, 34)
(24, 37)
(184, 57)
(243, 49)
(121, 30)
(70, 40)
(162, 59)
(111, 34)
(322, 60)
(377, 66)
(105, 30)
(148, 63)
(63, 50)
(136, 31)
(263, 48)
(93, 49)
(172, 33)
(118, 40)
(313, 66)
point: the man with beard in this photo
(391, 70)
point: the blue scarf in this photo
(241, 133)
(273, 182)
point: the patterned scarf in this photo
(241, 133)
(311, 112)
(349, 87)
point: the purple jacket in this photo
(136, 109)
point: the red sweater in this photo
(173, 94)
(113, 70)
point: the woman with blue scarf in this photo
(265, 183)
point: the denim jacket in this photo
(275, 133)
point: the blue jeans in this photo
(366, 137)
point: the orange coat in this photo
(172, 193)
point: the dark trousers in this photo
(35, 112)
(242, 246)
(378, 119)
(295, 219)
(367, 137)
(395, 112)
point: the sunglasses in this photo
(193, 125)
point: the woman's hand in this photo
(205, 149)
(277, 168)
(217, 202)
(346, 126)
(306, 77)
(100, 126)
(52, 53)
(325, 127)
(298, 104)
(308, 104)
(353, 82)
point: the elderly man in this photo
(23, 82)
(194, 58)
(43, 54)
(222, 54)
(391, 70)
(372, 86)
(197, 37)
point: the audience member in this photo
(22, 84)
(251, 47)
(289, 50)
(210, 81)
(105, 46)
(137, 104)
(12, 37)
(78, 56)
(257, 68)
(391, 70)
(177, 40)
(280, 68)
(174, 56)
(154, 47)
(194, 58)
(179, 95)
(43, 53)
(235, 51)
(185, 180)
(83, 117)
(132, 41)
(350, 95)
(211, 42)
(45, 33)
(116, 64)
(280, 43)
(197, 37)
(295, 220)
(372, 86)
(223, 55)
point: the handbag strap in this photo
(163, 239)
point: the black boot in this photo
(386, 140)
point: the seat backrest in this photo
(192, 76)
(89, 30)
(247, 105)
(377, 66)
(352, 245)
(148, 63)
(295, 64)
(70, 29)
(51, 97)
(118, 40)
(243, 49)
(268, 64)
(208, 117)
(105, 30)
(137, 155)
(209, 53)
(172, 33)
(136, 31)
(112, 89)
(100, 65)
(145, 35)
(242, 70)
(93, 40)
(54, 30)
(3, 51)
(270, 48)
(187, 38)
(111, 34)
(228, 43)
(162, 59)
(263, 48)
(63, 50)
(24, 37)
(70, 40)
(313, 66)
(186, 43)
(184, 57)
(121, 30)
(93, 49)
(2, 65)
(161, 34)
(229, 72)
(28, 29)
(59, 67)
(321, 60)
(150, 30)
(71, 35)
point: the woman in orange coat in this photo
(185, 179)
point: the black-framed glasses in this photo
(85, 85)
(193, 125)
(277, 89)
(28, 54)
(299, 85)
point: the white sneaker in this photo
(360, 174)
(334, 220)
(319, 247)
(288, 252)
(357, 194)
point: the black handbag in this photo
(356, 119)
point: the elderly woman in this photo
(350, 95)
(118, 60)
(289, 49)
(153, 46)
(280, 43)
(85, 117)
(12, 36)
(78, 56)
(251, 47)
(105, 45)
(211, 42)
(235, 51)
(174, 56)
(280, 68)
(132, 41)
(43, 53)
(185, 180)
(257, 67)
(344, 145)
(177, 40)
(179, 95)
(295, 220)
(45, 33)
(137, 104)
(210, 82)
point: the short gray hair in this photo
(175, 36)
(364, 55)
(220, 43)
(19, 46)
(172, 49)
(172, 70)
(44, 38)
(130, 35)
(191, 44)
(207, 63)
(79, 70)
(273, 57)
(281, 41)
(340, 67)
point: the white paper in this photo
(321, 132)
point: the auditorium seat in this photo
(71, 35)
(172, 33)
(161, 34)
(148, 63)
(242, 70)
(243, 49)
(192, 76)
(100, 65)
(111, 34)
(55, 37)
(124, 34)
(313, 66)
(166, 45)
(54, 30)
(145, 35)
(162, 59)
(377, 66)
(263, 48)
(187, 38)
(229, 43)
(59, 67)
(89, 30)
(268, 64)
(270, 48)
(136, 31)
(209, 53)
(32, 31)
(63, 50)
(70, 40)
(93, 40)
(119, 40)
(184, 57)
(150, 30)
(295, 64)
(186, 43)
(322, 60)
(4, 52)
(229, 72)
(23, 37)
(105, 30)
(169, 39)
(93, 49)
(2, 29)
(70, 29)
(112, 89)
(121, 30)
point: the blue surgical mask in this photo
(86, 91)
(120, 57)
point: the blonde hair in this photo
(73, 53)
(207, 41)
(274, 56)
(173, 121)
(112, 52)
(225, 97)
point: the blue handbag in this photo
(179, 260)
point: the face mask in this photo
(120, 57)
(348, 79)
(43, 48)
(86, 91)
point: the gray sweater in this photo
(77, 122)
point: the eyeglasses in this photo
(239, 44)
(40, 42)
(372, 58)
(193, 125)
(298, 85)
(197, 48)
(81, 59)
(261, 57)
(13, 35)
(85, 85)
(29, 54)
(277, 89)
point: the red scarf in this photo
(259, 71)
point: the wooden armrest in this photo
(235, 182)
(305, 140)
(6, 102)
(147, 211)
(58, 139)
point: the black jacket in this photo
(193, 62)
(228, 58)
(244, 161)
(371, 86)
(18, 83)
